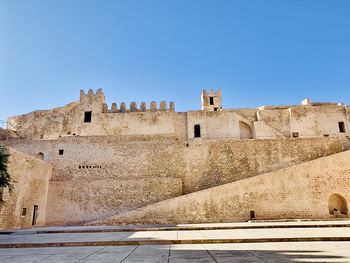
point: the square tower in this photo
(211, 101)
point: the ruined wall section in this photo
(48, 124)
(30, 180)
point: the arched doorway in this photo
(245, 131)
(337, 203)
(40, 156)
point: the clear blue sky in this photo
(259, 52)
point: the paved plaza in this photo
(223, 253)
(251, 242)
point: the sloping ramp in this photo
(299, 191)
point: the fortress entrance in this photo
(337, 205)
(245, 131)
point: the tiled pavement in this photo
(223, 253)
(183, 235)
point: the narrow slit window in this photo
(87, 116)
(35, 214)
(341, 127)
(197, 131)
(211, 100)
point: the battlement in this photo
(93, 117)
(133, 107)
(90, 96)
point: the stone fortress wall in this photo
(309, 190)
(30, 178)
(91, 117)
(98, 176)
(110, 160)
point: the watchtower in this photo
(211, 101)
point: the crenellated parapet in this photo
(133, 107)
(211, 101)
(90, 97)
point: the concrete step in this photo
(185, 227)
(172, 242)
(176, 237)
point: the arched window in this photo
(40, 156)
(197, 131)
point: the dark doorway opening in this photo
(35, 214)
(252, 215)
(197, 131)
(341, 127)
(87, 116)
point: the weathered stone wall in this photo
(318, 121)
(313, 120)
(31, 180)
(97, 176)
(78, 201)
(69, 121)
(300, 191)
(200, 163)
(219, 124)
(278, 119)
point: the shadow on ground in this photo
(222, 253)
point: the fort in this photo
(97, 164)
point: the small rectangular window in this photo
(197, 131)
(341, 127)
(211, 100)
(60, 152)
(295, 134)
(87, 116)
(24, 211)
